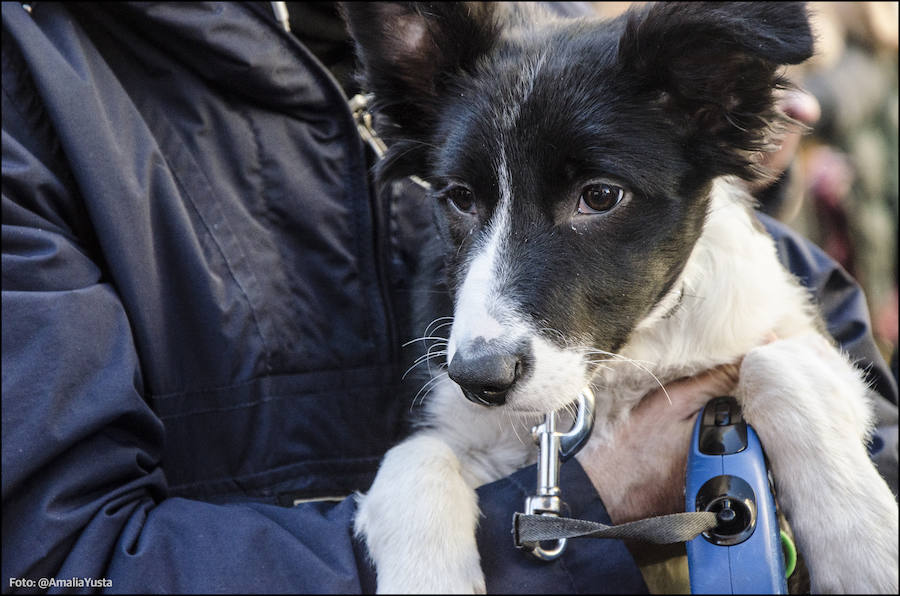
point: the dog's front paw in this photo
(410, 562)
(808, 405)
(859, 565)
(418, 522)
(459, 573)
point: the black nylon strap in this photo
(665, 529)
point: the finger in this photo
(801, 106)
(805, 109)
(689, 395)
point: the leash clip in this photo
(553, 449)
(359, 106)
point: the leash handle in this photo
(553, 448)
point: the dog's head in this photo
(570, 162)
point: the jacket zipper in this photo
(380, 217)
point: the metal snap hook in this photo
(553, 448)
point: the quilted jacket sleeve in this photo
(83, 492)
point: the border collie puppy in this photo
(585, 176)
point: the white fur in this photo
(480, 303)
(805, 400)
(813, 422)
(556, 376)
(420, 515)
(420, 488)
(477, 299)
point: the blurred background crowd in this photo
(845, 174)
(841, 189)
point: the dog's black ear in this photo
(714, 66)
(410, 51)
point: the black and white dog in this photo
(586, 176)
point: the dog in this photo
(586, 181)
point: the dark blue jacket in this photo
(202, 308)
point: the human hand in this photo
(640, 471)
(805, 109)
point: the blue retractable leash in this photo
(726, 474)
(730, 525)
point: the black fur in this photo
(661, 101)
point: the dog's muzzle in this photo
(487, 371)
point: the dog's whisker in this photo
(616, 359)
(398, 153)
(572, 409)
(597, 362)
(445, 379)
(422, 359)
(416, 142)
(442, 347)
(655, 378)
(427, 388)
(523, 420)
(512, 425)
(555, 332)
(438, 345)
(425, 338)
(430, 354)
(426, 385)
(442, 325)
(634, 362)
(590, 361)
(615, 356)
(499, 422)
(428, 329)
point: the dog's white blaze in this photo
(558, 375)
(472, 317)
(479, 302)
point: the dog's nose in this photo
(486, 372)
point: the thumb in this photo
(690, 394)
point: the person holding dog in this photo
(203, 303)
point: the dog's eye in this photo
(461, 198)
(600, 198)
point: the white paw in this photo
(418, 521)
(809, 407)
(860, 565)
